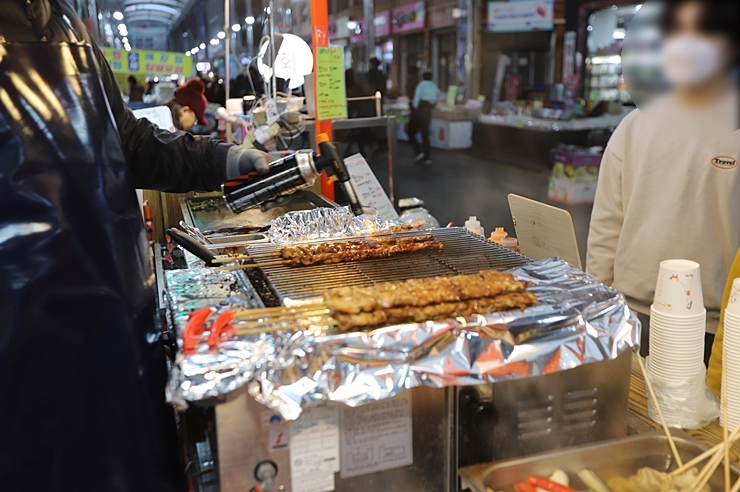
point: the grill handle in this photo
(193, 246)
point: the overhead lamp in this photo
(123, 33)
(202, 46)
(268, 10)
(294, 59)
(118, 16)
(121, 27)
(249, 20)
(125, 40)
(187, 53)
(236, 27)
(194, 50)
(221, 35)
(214, 41)
(127, 48)
(210, 75)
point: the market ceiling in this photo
(153, 11)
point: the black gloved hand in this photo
(240, 161)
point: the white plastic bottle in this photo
(473, 225)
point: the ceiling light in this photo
(202, 46)
(210, 74)
(268, 10)
(123, 33)
(187, 53)
(249, 20)
(118, 15)
(195, 50)
(125, 40)
(214, 41)
(236, 27)
(121, 27)
(221, 35)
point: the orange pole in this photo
(320, 37)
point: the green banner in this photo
(144, 62)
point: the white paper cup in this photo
(678, 290)
(734, 292)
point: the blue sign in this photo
(133, 62)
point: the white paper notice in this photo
(368, 188)
(314, 449)
(377, 436)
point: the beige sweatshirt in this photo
(667, 192)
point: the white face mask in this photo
(690, 60)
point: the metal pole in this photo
(368, 10)
(227, 60)
(273, 54)
(472, 8)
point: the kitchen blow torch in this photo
(288, 175)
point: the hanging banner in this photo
(569, 55)
(520, 15)
(144, 62)
(409, 18)
(331, 100)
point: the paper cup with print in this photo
(678, 291)
(734, 292)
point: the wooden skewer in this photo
(725, 434)
(229, 259)
(265, 312)
(707, 454)
(706, 473)
(267, 329)
(283, 318)
(649, 385)
(736, 487)
(252, 265)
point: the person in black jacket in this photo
(82, 366)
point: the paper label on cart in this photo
(368, 188)
(314, 449)
(376, 436)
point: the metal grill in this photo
(464, 253)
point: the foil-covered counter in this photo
(577, 321)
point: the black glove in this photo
(241, 161)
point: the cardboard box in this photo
(448, 135)
(571, 192)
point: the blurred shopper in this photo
(426, 95)
(362, 138)
(669, 184)
(188, 107)
(82, 367)
(135, 90)
(376, 78)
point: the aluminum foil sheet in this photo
(576, 321)
(324, 223)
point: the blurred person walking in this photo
(426, 95)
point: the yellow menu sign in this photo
(146, 62)
(331, 100)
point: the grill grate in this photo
(464, 253)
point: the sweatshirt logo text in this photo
(724, 162)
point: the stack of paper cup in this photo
(732, 355)
(677, 327)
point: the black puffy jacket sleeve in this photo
(159, 159)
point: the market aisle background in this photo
(460, 184)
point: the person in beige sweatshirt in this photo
(669, 184)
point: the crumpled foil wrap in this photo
(576, 321)
(324, 223)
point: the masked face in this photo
(689, 60)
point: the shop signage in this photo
(382, 27)
(409, 18)
(331, 100)
(144, 62)
(382, 24)
(342, 29)
(520, 15)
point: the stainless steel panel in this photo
(243, 442)
(609, 459)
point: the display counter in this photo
(528, 141)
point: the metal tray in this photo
(216, 215)
(608, 459)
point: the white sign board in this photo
(521, 15)
(376, 436)
(314, 449)
(569, 55)
(368, 188)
